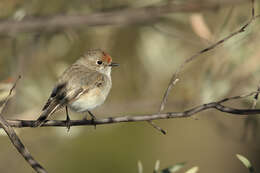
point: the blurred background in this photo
(150, 39)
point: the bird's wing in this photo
(65, 92)
(59, 97)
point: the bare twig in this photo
(15, 139)
(116, 17)
(156, 127)
(175, 76)
(8, 96)
(251, 120)
(239, 97)
(147, 117)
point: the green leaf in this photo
(140, 166)
(246, 162)
(157, 166)
(194, 169)
(173, 168)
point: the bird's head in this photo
(98, 60)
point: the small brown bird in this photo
(82, 87)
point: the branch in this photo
(15, 139)
(175, 76)
(147, 117)
(117, 17)
(251, 121)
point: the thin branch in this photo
(9, 95)
(175, 76)
(154, 125)
(157, 127)
(116, 17)
(15, 139)
(239, 97)
(251, 121)
(147, 117)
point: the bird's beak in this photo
(113, 64)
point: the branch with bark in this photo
(130, 118)
(124, 17)
(175, 76)
(16, 140)
(117, 17)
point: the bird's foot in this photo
(67, 119)
(93, 122)
(93, 118)
(68, 123)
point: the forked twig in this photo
(175, 76)
(125, 16)
(15, 139)
(147, 117)
(251, 120)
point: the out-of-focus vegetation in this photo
(148, 54)
(246, 163)
(177, 167)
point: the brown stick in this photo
(175, 76)
(15, 139)
(129, 118)
(115, 17)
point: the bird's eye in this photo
(99, 62)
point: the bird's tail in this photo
(40, 120)
(46, 112)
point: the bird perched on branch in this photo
(82, 87)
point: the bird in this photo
(82, 86)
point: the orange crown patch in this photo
(107, 58)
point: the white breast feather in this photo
(90, 100)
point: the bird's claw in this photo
(68, 125)
(93, 122)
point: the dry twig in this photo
(116, 17)
(251, 121)
(129, 118)
(175, 76)
(15, 139)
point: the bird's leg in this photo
(93, 118)
(67, 119)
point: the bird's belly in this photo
(89, 100)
